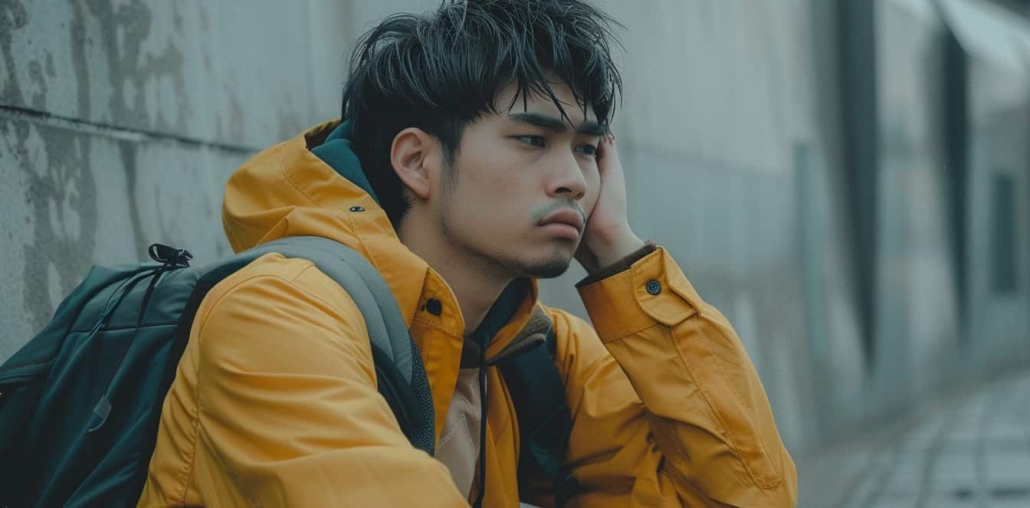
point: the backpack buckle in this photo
(170, 255)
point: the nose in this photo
(567, 180)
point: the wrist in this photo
(609, 250)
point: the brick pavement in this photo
(971, 452)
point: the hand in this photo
(608, 236)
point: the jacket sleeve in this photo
(289, 414)
(667, 407)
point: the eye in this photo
(532, 140)
(588, 150)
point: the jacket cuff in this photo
(619, 266)
(652, 290)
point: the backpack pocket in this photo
(19, 392)
(20, 389)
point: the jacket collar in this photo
(288, 190)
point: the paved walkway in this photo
(972, 452)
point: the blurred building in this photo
(847, 180)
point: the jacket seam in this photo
(634, 331)
(762, 484)
(290, 280)
(233, 242)
(189, 467)
(323, 300)
(364, 247)
(286, 175)
(434, 326)
(588, 371)
(566, 338)
(200, 378)
(300, 189)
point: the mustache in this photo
(569, 204)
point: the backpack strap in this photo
(538, 395)
(400, 375)
(387, 329)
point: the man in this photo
(474, 157)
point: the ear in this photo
(412, 157)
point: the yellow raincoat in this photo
(275, 404)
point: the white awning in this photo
(990, 32)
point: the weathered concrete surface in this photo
(121, 120)
(76, 196)
(136, 111)
(237, 74)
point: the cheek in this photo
(482, 196)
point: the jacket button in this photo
(357, 209)
(434, 306)
(653, 287)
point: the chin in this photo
(539, 268)
(548, 271)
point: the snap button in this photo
(434, 306)
(357, 209)
(653, 287)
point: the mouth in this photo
(566, 223)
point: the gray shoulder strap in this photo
(386, 326)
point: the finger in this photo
(606, 148)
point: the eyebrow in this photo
(553, 124)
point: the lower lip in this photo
(561, 229)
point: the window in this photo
(1004, 276)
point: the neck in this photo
(475, 281)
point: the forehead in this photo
(530, 102)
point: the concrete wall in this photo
(121, 120)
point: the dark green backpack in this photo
(80, 403)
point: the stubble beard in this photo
(544, 268)
(513, 266)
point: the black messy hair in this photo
(440, 71)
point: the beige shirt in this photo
(459, 444)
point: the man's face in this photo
(523, 184)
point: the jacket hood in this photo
(288, 190)
(313, 185)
